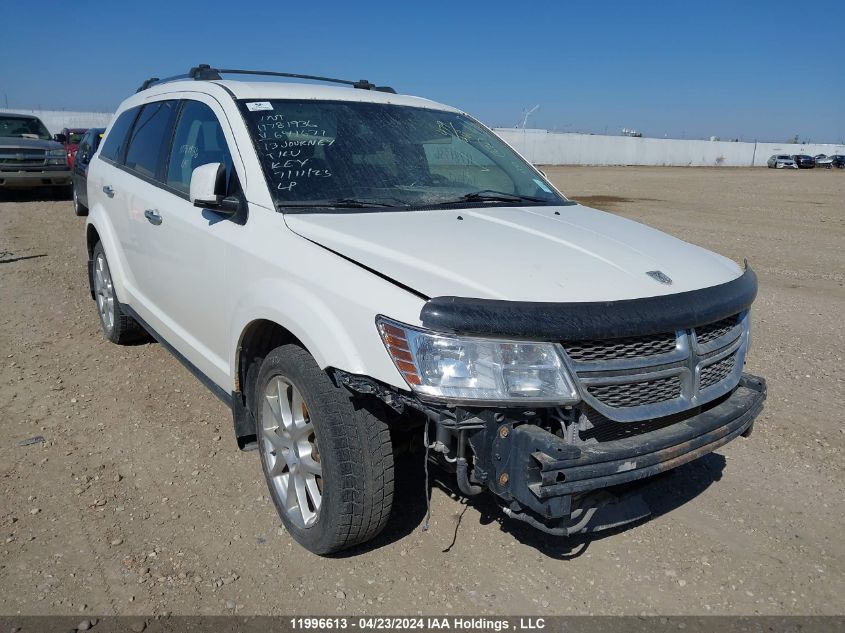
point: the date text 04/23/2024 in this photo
(419, 623)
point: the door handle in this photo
(152, 216)
(108, 191)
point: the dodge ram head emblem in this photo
(660, 276)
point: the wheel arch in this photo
(257, 339)
(98, 228)
(91, 239)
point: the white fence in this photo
(542, 147)
(56, 120)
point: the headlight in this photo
(56, 153)
(477, 370)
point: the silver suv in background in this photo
(29, 157)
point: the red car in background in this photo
(70, 138)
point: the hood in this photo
(565, 253)
(28, 143)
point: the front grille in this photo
(631, 347)
(637, 378)
(706, 333)
(636, 394)
(603, 429)
(717, 372)
(22, 158)
(25, 151)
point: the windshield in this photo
(75, 138)
(23, 127)
(338, 154)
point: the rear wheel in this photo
(327, 459)
(78, 207)
(118, 326)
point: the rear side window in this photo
(84, 146)
(150, 138)
(198, 140)
(115, 142)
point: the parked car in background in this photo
(29, 157)
(835, 160)
(802, 161)
(781, 161)
(88, 145)
(70, 138)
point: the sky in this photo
(750, 70)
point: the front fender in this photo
(338, 328)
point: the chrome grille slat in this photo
(22, 158)
(11, 153)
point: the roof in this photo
(265, 90)
(18, 115)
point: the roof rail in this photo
(204, 72)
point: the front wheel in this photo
(327, 459)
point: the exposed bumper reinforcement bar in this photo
(542, 472)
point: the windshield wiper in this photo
(490, 195)
(337, 203)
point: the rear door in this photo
(108, 185)
(143, 167)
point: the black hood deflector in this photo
(590, 320)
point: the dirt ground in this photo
(138, 501)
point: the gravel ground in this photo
(138, 502)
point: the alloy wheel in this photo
(291, 456)
(104, 292)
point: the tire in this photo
(333, 458)
(78, 207)
(118, 326)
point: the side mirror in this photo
(60, 138)
(208, 183)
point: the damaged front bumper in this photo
(538, 471)
(560, 486)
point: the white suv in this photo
(347, 267)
